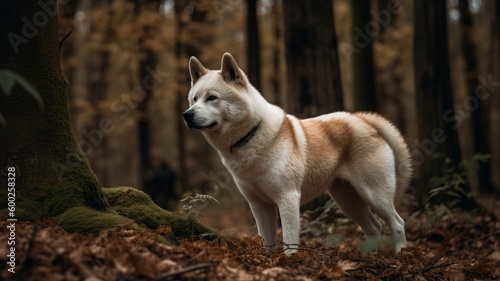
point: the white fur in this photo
(278, 170)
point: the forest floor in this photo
(458, 246)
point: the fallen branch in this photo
(169, 275)
(441, 265)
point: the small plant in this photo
(193, 202)
(316, 221)
(451, 190)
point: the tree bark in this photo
(314, 83)
(479, 113)
(98, 62)
(495, 98)
(277, 78)
(53, 179)
(364, 80)
(148, 62)
(436, 123)
(253, 45)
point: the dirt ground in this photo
(459, 246)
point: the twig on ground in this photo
(170, 275)
(431, 265)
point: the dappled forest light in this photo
(103, 180)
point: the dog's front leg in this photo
(289, 208)
(266, 217)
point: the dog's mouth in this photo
(189, 118)
(196, 126)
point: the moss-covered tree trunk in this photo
(53, 178)
(39, 144)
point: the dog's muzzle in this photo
(188, 116)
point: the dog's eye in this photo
(195, 99)
(212, 97)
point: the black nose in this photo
(188, 116)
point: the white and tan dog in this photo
(279, 161)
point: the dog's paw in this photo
(291, 249)
(399, 246)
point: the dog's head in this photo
(217, 97)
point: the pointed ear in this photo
(231, 72)
(196, 70)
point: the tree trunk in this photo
(39, 144)
(277, 79)
(97, 66)
(383, 5)
(253, 45)
(314, 84)
(149, 83)
(364, 80)
(495, 98)
(191, 40)
(53, 178)
(480, 107)
(436, 123)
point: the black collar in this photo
(246, 138)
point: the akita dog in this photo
(280, 162)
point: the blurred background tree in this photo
(314, 84)
(437, 133)
(365, 31)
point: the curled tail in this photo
(398, 145)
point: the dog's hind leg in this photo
(380, 198)
(355, 208)
(266, 217)
(384, 207)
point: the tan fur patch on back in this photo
(332, 137)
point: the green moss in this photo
(138, 206)
(66, 204)
(85, 220)
(126, 196)
(26, 209)
(63, 197)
